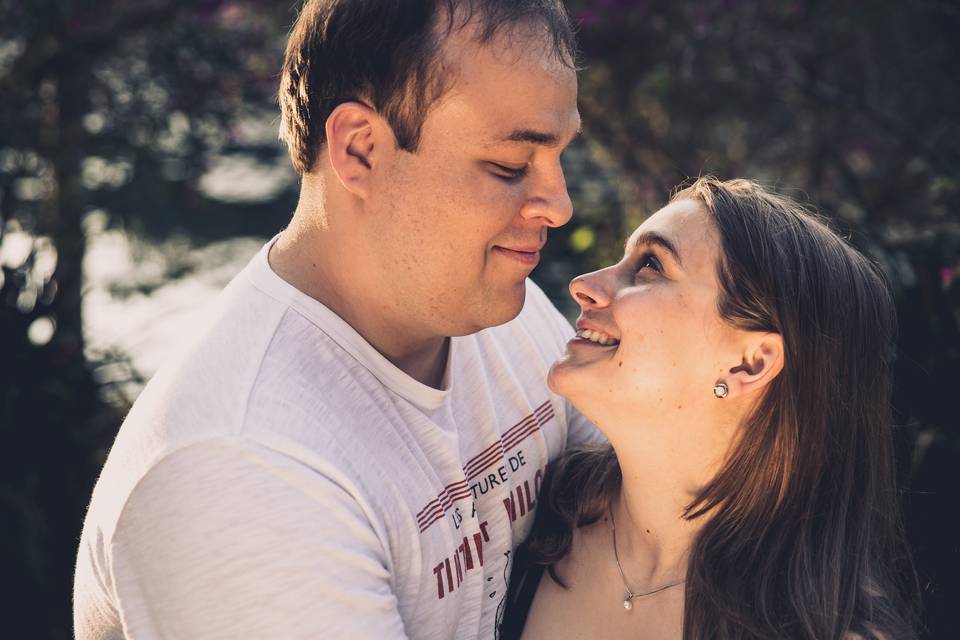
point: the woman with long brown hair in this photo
(737, 359)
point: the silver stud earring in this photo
(721, 390)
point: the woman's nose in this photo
(591, 290)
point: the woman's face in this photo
(650, 343)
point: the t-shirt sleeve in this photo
(579, 429)
(230, 539)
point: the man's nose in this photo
(549, 200)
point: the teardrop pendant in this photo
(627, 604)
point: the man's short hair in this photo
(386, 53)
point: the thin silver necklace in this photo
(629, 595)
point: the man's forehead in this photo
(514, 49)
(502, 92)
(524, 39)
(539, 112)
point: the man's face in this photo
(459, 224)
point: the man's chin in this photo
(508, 306)
(496, 308)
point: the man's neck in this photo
(312, 260)
(428, 365)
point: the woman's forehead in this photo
(684, 223)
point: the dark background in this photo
(113, 112)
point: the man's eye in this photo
(508, 173)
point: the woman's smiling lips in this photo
(527, 256)
(592, 335)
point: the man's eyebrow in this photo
(654, 238)
(533, 136)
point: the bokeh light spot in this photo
(41, 331)
(582, 239)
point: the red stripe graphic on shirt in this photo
(445, 500)
(482, 460)
(509, 440)
(436, 508)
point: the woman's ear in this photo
(762, 362)
(356, 136)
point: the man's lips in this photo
(527, 256)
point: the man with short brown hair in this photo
(355, 445)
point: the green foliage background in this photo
(120, 108)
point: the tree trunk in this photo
(65, 224)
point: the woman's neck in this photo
(653, 537)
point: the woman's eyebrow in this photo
(654, 238)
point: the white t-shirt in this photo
(281, 479)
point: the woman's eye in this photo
(508, 173)
(648, 261)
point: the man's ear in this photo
(356, 136)
(762, 361)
